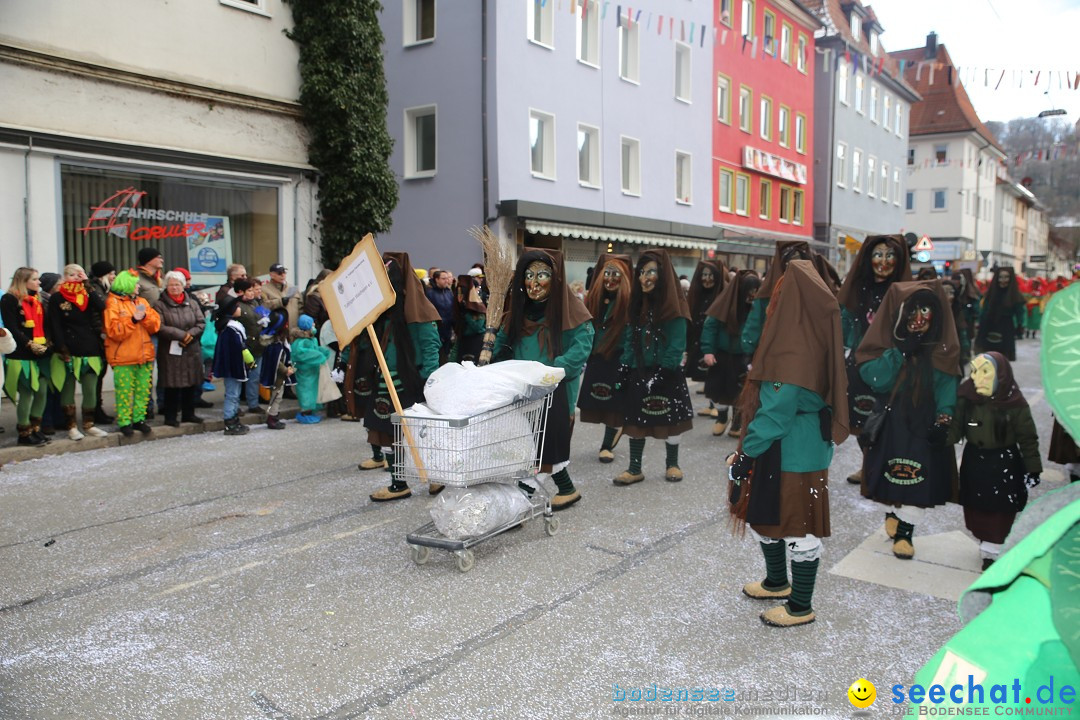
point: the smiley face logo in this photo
(862, 693)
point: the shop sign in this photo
(774, 165)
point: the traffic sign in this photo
(924, 245)
(922, 256)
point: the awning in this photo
(587, 232)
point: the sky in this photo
(1011, 35)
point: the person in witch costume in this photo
(952, 295)
(470, 320)
(1001, 454)
(882, 260)
(910, 355)
(705, 286)
(721, 343)
(656, 401)
(1002, 315)
(547, 323)
(608, 301)
(409, 337)
(969, 297)
(785, 252)
(795, 407)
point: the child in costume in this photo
(129, 348)
(608, 301)
(232, 361)
(795, 408)
(308, 357)
(657, 401)
(1001, 452)
(707, 283)
(723, 352)
(547, 323)
(277, 368)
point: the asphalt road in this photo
(251, 577)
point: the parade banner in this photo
(209, 251)
(357, 292)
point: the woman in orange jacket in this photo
(129, 349)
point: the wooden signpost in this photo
(355, 295)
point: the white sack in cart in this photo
(467, 512)
(455, 455)
(467, 389)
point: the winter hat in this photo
(306, 323)
(101, 268)
(147, 254)
(48, 281)
(183, 271)
(278, 319)
(227, 307)
(476, 272)
(125, 282)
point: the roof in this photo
(832, 15)
(945, 105)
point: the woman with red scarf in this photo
(75, 325)
(24, 318)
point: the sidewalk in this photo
(10, 451)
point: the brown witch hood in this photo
(802, 342)
(571, 311)
(861, 274)
(969, 289)
(671, 303)
(827, 272)
(470, 295)
(890, 318)
(726, 308)
(595, 300)
(785, 251)
(1007, 393)
(697, 290)
(418, 309)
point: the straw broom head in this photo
(500, 261)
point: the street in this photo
(250, 577)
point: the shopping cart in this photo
(502, 445)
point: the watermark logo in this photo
(862, 693)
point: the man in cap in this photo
(279, 294)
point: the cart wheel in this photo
(420, 553)
(551, 525)
(465, 561)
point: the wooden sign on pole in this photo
(355, 295)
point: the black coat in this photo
(73, 331)
(11, 311)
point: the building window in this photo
(541, 22)
(856, 26)
(885, 182)
(723, 98)
(856, 170)
(841, 164)
(742, 194)
(768, 32)
(909, 201)
(588, 148)
(797, 207)
(765, 200)
(873, 43)
(542, 144)
(683, 178)
(725, 184)
(228, 221)
(746, 109)
(886, 111)
(911, 156)
(871, 176)
(800, 133)
(629, 50)
(631, 166)
(897, 119)
(421, 141)
(725, 12)
(682, 72)
(800, 57)
(873, 103)
(939, 199)
(941, 154)
(860, 82)
(785, 43)
(896, 186)
(783, 126)
(419, 16)
(843, 82)
(256, 6)
(588, 32)
(747, 19)
(785, 204)
(766, 117)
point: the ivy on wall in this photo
(344, 99)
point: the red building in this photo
(763, 134)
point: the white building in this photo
(128, 123)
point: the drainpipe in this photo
(26, 201)
(484, 105)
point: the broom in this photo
(500, 260)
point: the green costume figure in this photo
(547, 323)
(795, 408)
(470, 320)
(308, 357)
(722, 349)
